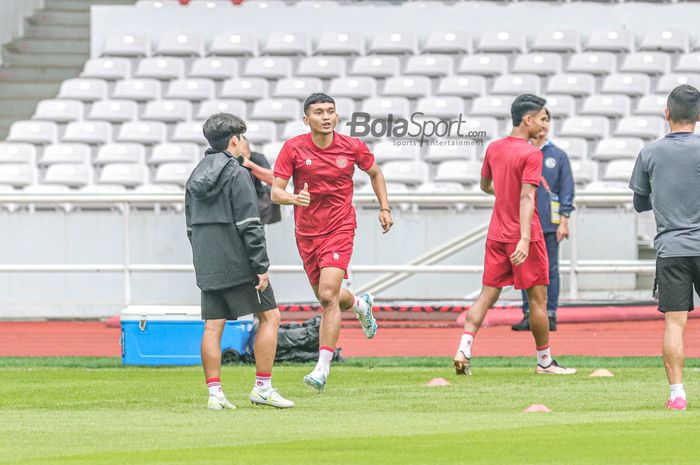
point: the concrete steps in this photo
(27, 90)
(32, 31)
(29, 74)
(81, 5)
(50, 46)
(43, 60)
(61, 18)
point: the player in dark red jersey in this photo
(322, 163)
(515, 248)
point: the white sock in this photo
(263, 381)
(465, 344)
(360, 306)
(325, 356)
(544, 356)
(214, 386)
(677, 391)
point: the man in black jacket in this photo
(230, 258)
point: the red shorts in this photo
(500, 272)
(333, 250)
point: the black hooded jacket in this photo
(223, 224)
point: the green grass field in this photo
(374, 411)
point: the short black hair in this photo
(318, 97)
(684, 104)
(524, 104)
(220, 128)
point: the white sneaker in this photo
(269, 397)
(367, 320)
(316, 380)
(219, 403)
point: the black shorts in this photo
(675, 277)
(234, 302)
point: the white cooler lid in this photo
(165, 313)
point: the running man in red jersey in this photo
(322, 164)
(515, 247)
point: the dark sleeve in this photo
(566, 185)
(247, 219)
(260, 160)
(188, 217)
(642, 203)
(639, 182)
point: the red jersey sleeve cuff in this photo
(281, 176)
(534, 182)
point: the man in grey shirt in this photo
(666, 179)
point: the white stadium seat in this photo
(407, 86)
(298, 88)
(653, 63)
(175, 153)
(324, 67)
(140, 90)
(542, 64)
(381, 107)
(688, 63)
(280, 109)
(646, 127)
(127, 45)
(584, 171)
(238, 44)
(666, 40)
(449, 42)
(611, 40)
(17, 153)
(634, 85)
(406, 172)
(120, 153)
(652, 105)
(244, 89)
(260, 132)
(557, 41)
(516, 84)
(460, 171)
(612, 106)
(587, 127)
(354, 87)
(168, 111)
(598, 63)
(173, 173)
(143, 132)
(451, 150)
(66, 153)
(341, 43)
(163, 68)
(72, 175)
(268, 67)
(616, 148)
(441, 107)
(60, 111)
(575, 147)
(667, 83)
(502, 42)
(483, 65)
(293, 129)
(288, 43)
(429, 65)
(395, 43)
(190, 131)
(196, 89)
(180, 45)
(440, 188)
(123, 174)
(211, 107)
(85, 90)
(577, 85)
(17, 175)
(88, 132)
(389, 151)
(619, 170)
(561, 106)
(462, 86)
(215, 68)
(496, 106)
(33, 132)
(114, 111)
(375, 66)
(109, 69)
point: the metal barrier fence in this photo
(125, 202)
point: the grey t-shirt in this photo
(668, 170)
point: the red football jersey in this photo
(328, 172)
(511, 162)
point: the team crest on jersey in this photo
(336, 256)
(550, 162)
(308, 162)
(341, 162)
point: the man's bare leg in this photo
(211, 362)
(475, 316)
(674, 353)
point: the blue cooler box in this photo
(171, 335)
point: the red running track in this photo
(68, 338)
